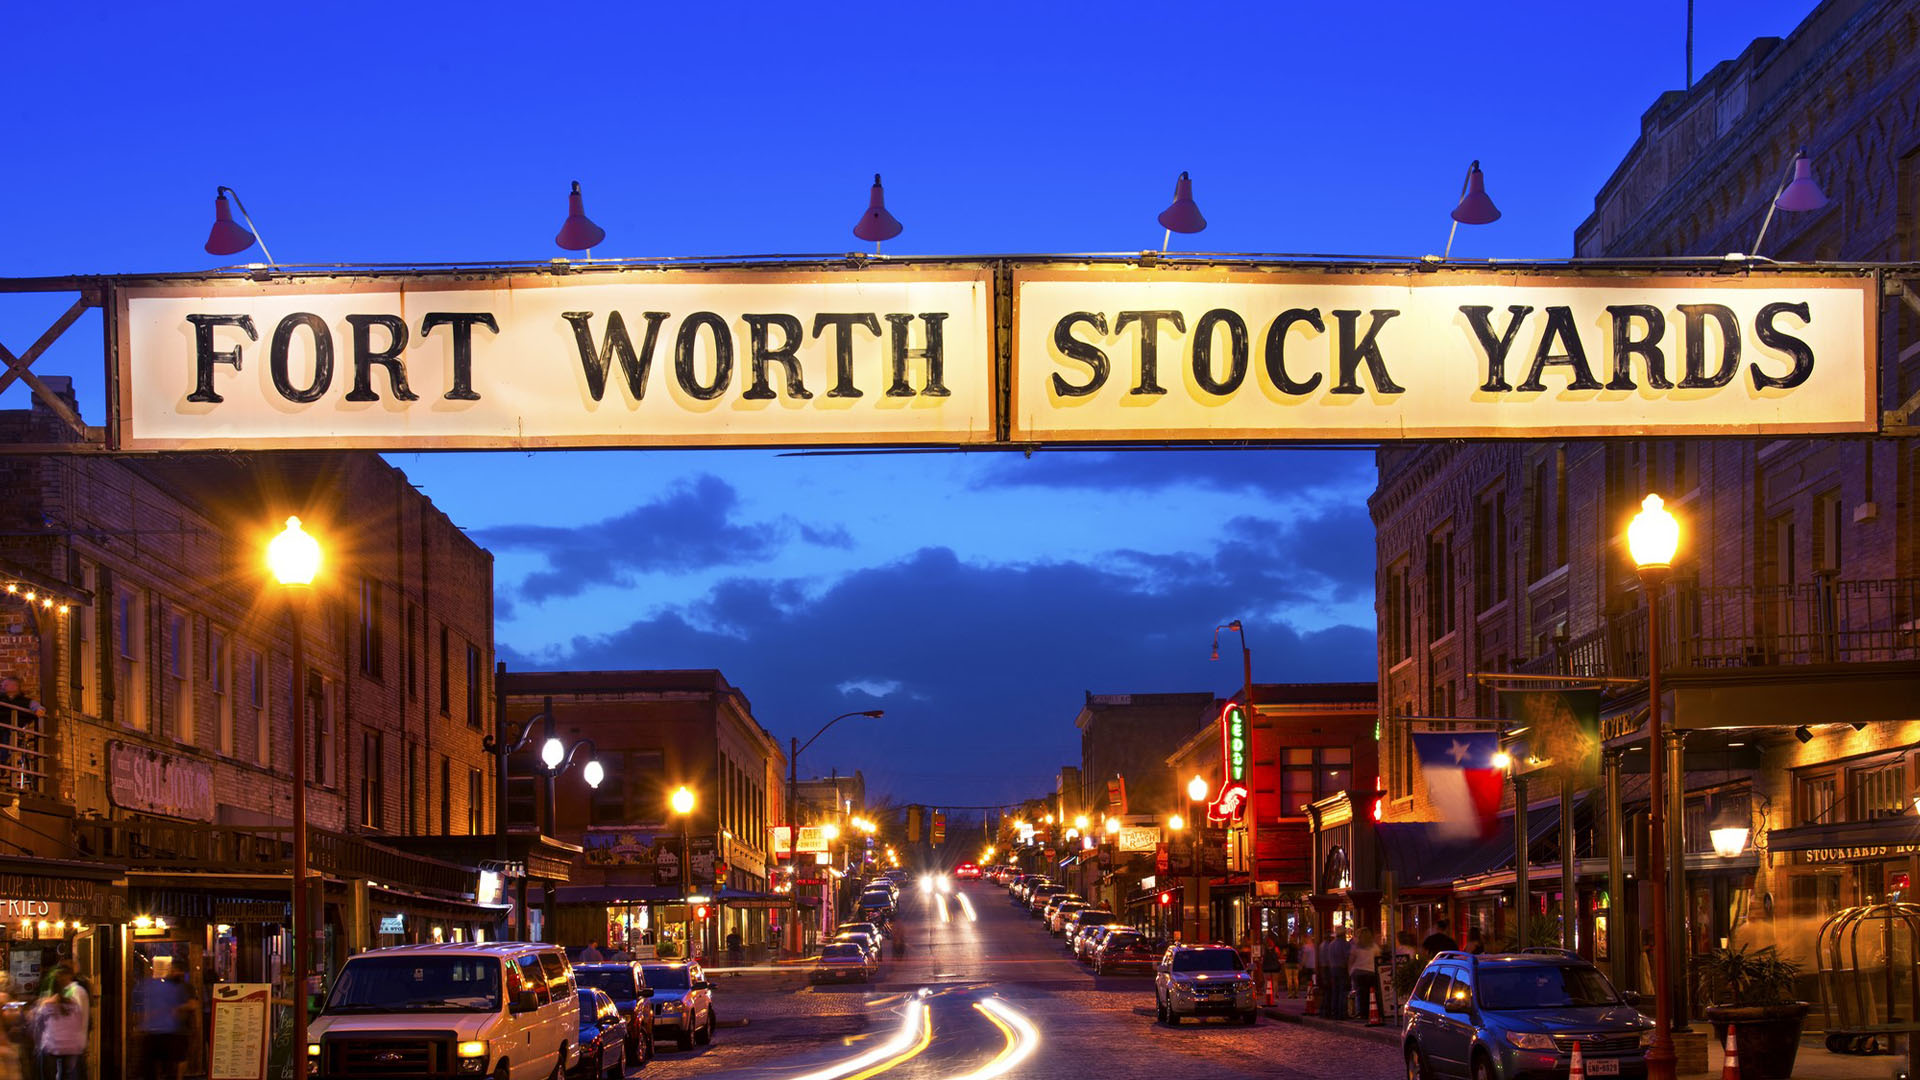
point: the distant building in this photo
(1789, 647)
(653, 732)
(1126, 738)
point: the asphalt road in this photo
(1000, 998)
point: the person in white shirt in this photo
(1363, 960)
(64, 1020)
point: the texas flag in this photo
(1462, 780)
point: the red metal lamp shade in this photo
(876, 224)
(578, 233)
(228, 237)
(1183, 216)
(1475, 208)
(1801, 193)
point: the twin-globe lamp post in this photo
(294, 559)
(682, 803)
(1653, 537)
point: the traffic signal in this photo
(939, 827)
(913, 824)
(700, 912)
(1166, 899)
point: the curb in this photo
(1388, 1035)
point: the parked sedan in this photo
(842, 961)
(1200, 981)
(682, 1001)
(1126, 949)
(1056, 915)
(626, 984)
(872, 930)
(603, 1042)
(1088, 936)
(1075, 921)
(867, 942)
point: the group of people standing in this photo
(49, 1034)
(1346, 966)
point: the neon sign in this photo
(1231, 801)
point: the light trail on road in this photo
(1022, 1039)
(943, 907)
(916, 1032)
(966, 905)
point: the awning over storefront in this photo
(617, 894)
(95, 892)
(1851, 839)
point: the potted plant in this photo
(1752, 990)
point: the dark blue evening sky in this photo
(973, 596)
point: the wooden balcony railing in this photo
(262, 849)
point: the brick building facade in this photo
(1791, 640)
(168, 683)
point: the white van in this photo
(500, 1010)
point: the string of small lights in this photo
(32, 594)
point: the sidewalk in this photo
(1813, 1062)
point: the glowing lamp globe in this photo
(1196, 789)
(1654, 535)
(1113, 825)
(1502, 760)
(1728, 840)
(552, 752)
(1080, 823)
(831, 832)
(1176, 822)
(294, 555)
(682, 800)
(594, 773)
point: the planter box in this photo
(1769, 1036)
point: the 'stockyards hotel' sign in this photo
(985, 353)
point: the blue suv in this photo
(1517, 1016)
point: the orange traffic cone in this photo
(1373, 1011)
(1731, 1070)
(1579, 1069)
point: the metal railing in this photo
(1824, 621)
(23, 750)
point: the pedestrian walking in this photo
(1310, 964)
(64, 1018)
(734, 956)
(1474, 944)
(160, 1014)
(592, 954)
(1339, 985)
(1439, 941)
(1272, 963)
(1291, 966)
(1363, 968)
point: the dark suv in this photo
(626, 983)
(1517, 1016)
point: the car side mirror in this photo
(646, 991)
(1631, 997)
(701, 984)
(523, 1001)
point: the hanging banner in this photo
(1554, 730)
(1135, 354)
(598, 358)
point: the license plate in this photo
(1603, 1066)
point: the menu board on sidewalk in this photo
(240, 1013)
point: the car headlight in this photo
(472, 1048)
(1185, 989)
(1531, 1040)
(669, 1006)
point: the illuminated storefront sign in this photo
(1007, 351)
(1231, 801)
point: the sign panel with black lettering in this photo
(1105, 355)
(601, 358)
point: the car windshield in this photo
(667, 978)
(1544, 986)
(844, 951)
(1118, 940)
(618, 983)
(376, 983)
(1207, 960)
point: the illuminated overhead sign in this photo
(1103, 355)
(971, 352)
(1231, 801)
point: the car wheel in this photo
(705, 1034)
(1250, 1018)
(685, 1037)
(559, 1065)
(501, 1072)
(1416, 1064)
(1482, 1068)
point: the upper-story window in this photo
(1439, 573)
